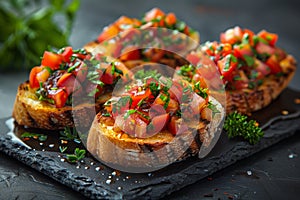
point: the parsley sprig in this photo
(238, 125)
(78, 155)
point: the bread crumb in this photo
(285, 112)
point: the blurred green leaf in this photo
(29, 27)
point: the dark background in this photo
(274, 173)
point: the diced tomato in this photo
(66, 55)
(240, 80)
(197, 104)
(227, 65)
(132, 125)
(123, 20)
(108, 32)
(127, 74)
(137, 96)
(199, 78)
(51, 60)
(94, 90)
(155, 13)
(130, 53)
(271, 38)
(232, 36)
(261, 68)
(193, 59)
(107, 77)
(33, 81)
(263, 48)
(176, 91)
(69, 83)
(59, 96)
(207, 71)
(274, 64)
(170, 19)
(156, 110)
(250, 34)
(128, 34)
(140, 128)
(153, 54)
(158, 123)
(43, 75)
(81, 72)
(177, 126)
(243, 49)
(171, 106)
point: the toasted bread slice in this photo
(31, 112)
(115, 147)
(119, 148)
(250, 100)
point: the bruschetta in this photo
(68, 82)
(155, 122)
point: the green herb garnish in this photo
(69, 134)
(238, 125)
(40, 137)
(78, 155)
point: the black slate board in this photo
(95, 180)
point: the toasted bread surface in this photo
(31, 112)
(249, 100)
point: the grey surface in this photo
(209, 17)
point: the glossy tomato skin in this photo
(274, 64)
(33, 81)
(271, 38)
(226, 66)
(263, 48)
(67, 53)
(59, 96)
(177, 126)
(232, 36)
(158, 123)
(51, 60)
(155, 13)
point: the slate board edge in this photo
(158, 188)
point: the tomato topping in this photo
(227, 65)
(137, 96)
(274, 64)
(158, 123)
(271, 38)
(243, 49)
(33, 81)
(263, 48)
(59, 96)
(52, 60)
(176, 126)
(193, 59)
(155, 13)
(232, 36)
(69, 83)
(81, 72)
(43, 75)
(170, 19)
(66, 54)
(130, 53)
(108, 32)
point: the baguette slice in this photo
(31, 112)
(250, 100)
(122, 151)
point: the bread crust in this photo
(119, 148)
(31, 112)
(114, 147)
(247, 101)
